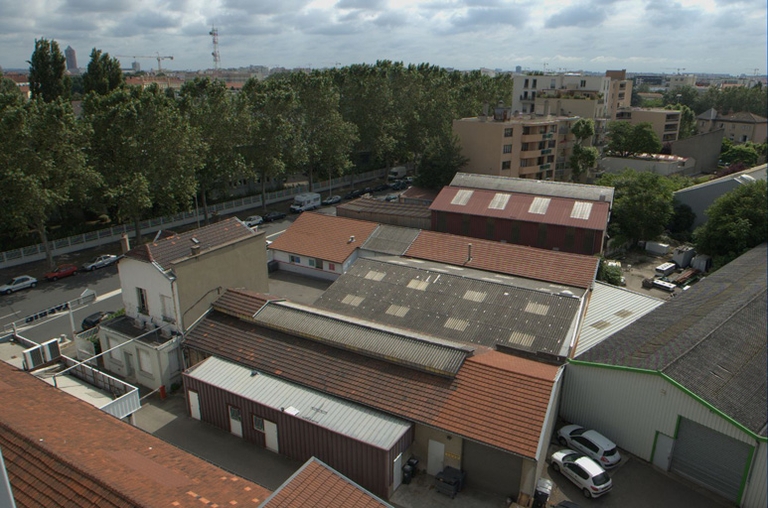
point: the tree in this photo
(626, 140)
(583, 158)
(47, 72)
(687, 120)
(736, 222)
(9, 93)
(642, 205)
(745, 153)
(441, 161)
(103, 74)
(146, 151)
(42, 165)
(682, 219)
(609, 273)
(210, 108)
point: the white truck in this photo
(397, 173)
(305, 201)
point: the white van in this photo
(397, 173)
(305, 201)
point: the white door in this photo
(397, 472)
(270, 435)
(235, 421)
(435, 457)
(194, 405)
(662, 453)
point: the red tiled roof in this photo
(64, 450)
(242, 303)
(319, 486)
(173, 246)
(575, 270)
(495, 398)
(558, 211)
(324, 236)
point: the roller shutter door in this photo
(712, 459)
(491, 470)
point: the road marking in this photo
(109, 295)
(10, 315)
(277, 234)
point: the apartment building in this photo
(680, 80)
(739, 127)
(540, 93)
(665, 122)
(517, 145)
(621, 91)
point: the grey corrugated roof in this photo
(393, 240)
(530, 186)
(352, 420)
(417, 351)
(454, 306)
(757, 173)
(611, 309)
(711, 339)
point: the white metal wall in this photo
(756, 493)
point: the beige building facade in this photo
(738, 127)
(665, 122)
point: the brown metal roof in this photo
(547, 265)
(320, 486)
(517, 206)
(384, 207)
(242, 303)
(174, 247)
(324, 237)
(497, 399)
(89, 458)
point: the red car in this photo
(60, 272)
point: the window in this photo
(583, 83)
(332, 267)
(552, 83)
(586, 443)
(507, 148)
(258, 423)
(570, 238)
(442, 222)
(465, 225)
(490, 228)
(167, 308)
(525, 83)
(141, 297)
(514, 236)
(541, 241)
(312, 263)
(508, 132)
(295, 259)
(145, 361)
(524, 163)
(534, 84)
(526, 130)
(506, 165)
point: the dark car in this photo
(94, 319)
(60, 272)
(381, 187)
(354, 194)
(273, 216)
(399, 185)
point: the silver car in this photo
(17, 283)
(100, 262)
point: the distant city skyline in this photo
(688, 36)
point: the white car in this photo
(590, 443)
(253, 221)
(100, 262)
(583, 472)
(17, 283)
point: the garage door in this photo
(491, 470)
(712, 459)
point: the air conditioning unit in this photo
(51, 350)
(33, 358)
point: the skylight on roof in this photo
(539, 206)
(522, 339)
(374, 275)
(623, 313)
(600, 325)
(581, 210)
(475, 296)
(462, 197)
(537, 308)
(397, 310)
(456, 324)
(421, 285)
(352, 300)
(499, 201)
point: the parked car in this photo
(332, 200)
(273, 216)
(60, 272)
(17, 283)
(253, 221)
(100, 262)
(391, 197)
(591, 443)
(399, 185)
(583, 472)
(381, 187)
(94, 319)
(354, 194)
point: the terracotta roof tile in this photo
(547, 265)
(517, 207)
(495, 398)
(318, 485)
(89, 458)
(172, 247)
(324, 236)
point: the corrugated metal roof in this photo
(393, 240)
(536, 187)
(352, 420)
(523, 207)
(456, 307)
(610, 309)
(378, 206)
(428, 354)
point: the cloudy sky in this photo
(726, 36)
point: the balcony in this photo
(545, 167)
(548, 135)
(546, 151)
(528, 138)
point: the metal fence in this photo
(112, 234)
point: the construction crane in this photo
(678, 69)
(155, 57)
(214, 33)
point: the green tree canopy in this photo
(609, 273)
(626, 140)
(642, 205)
(736, 222)
(103, 73)
(745, 153)
(441, 161)
(687, 120)
(584, 157)
(47, 72)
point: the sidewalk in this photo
(168, 420)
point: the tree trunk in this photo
(204, 195)
(137, 230)
(44, 240)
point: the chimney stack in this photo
(125, 243)
(195, 246)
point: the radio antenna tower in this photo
(214, 33)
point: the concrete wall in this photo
(452, 443)
(138, 274)
(705, 148)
